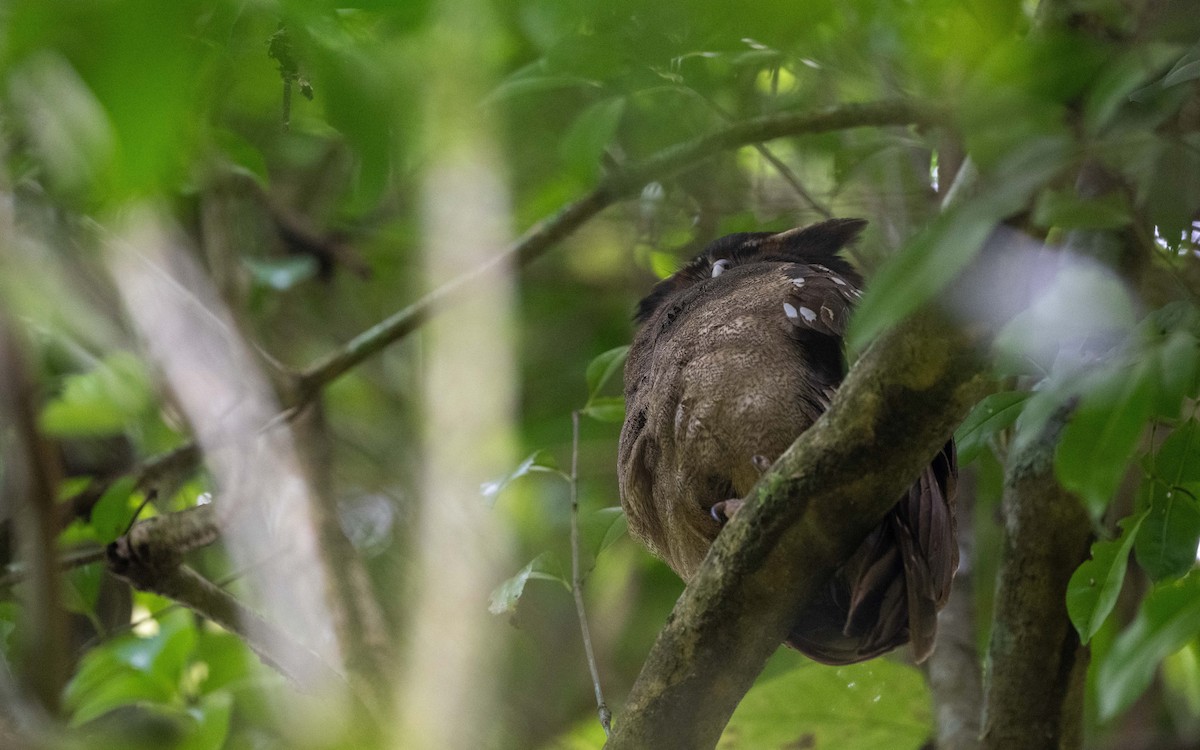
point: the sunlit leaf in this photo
(504, 598)
(1168, 619)
(113, 512)
(1094, 586)
(1093, 454)
(538, 461)
(618, 526)
(605, 408)
(989, 417)
(601, 369)
(878, 705)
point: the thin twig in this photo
(577, 581)
(784, 170)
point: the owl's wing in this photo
(903, 572)
(820, 300)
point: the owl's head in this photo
(815, 243)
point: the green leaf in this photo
(211, 714)
(990, 416)
(615, 525)
(952, 240)
(532, 80)
(1179, 372)
(104, 682)
(877, 705)
(601, 369)
(504, 598)
(227, 659)
(81, 588)
(1166, 545)
(538, 461)
(114, 510)
(101, 402)
(662, 265)
(243, 155)
(164, 654)
(605, 409)
(1177, 460)
(1168, 619)
(1094, 586)
(586, 138)
(1066, 210)
(1093, 454)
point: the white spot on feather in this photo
(837, 281)
(790, 310)
(798, 281)
(808, 314)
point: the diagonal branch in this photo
(896, 409)
(614, 187)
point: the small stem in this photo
(577, 580)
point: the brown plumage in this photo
(737, 354)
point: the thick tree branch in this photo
(1037, 663)
(896, 409)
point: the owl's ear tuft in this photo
(817, 240)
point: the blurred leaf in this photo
(104, 682)
(538, 461)
(1066, 210)
(164, 654)
(81, 588)
(114, 510)
(1187, 68)
(991, 415)
(533, 79)
(1096, 445)
(1168, 190)
(211, 714)
(605, 408)
(1094, 586)
(877, 705)
(226, 657)
(663, 264)
(1178, 363)
(1168, 619)
(586, 138)
(243, 155)
(601, 369)
(282, 274)
(1120, 78)
(944, 248)
(504, 598)
(101, 402)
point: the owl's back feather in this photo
(737, 354)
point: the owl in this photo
(735, 355)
